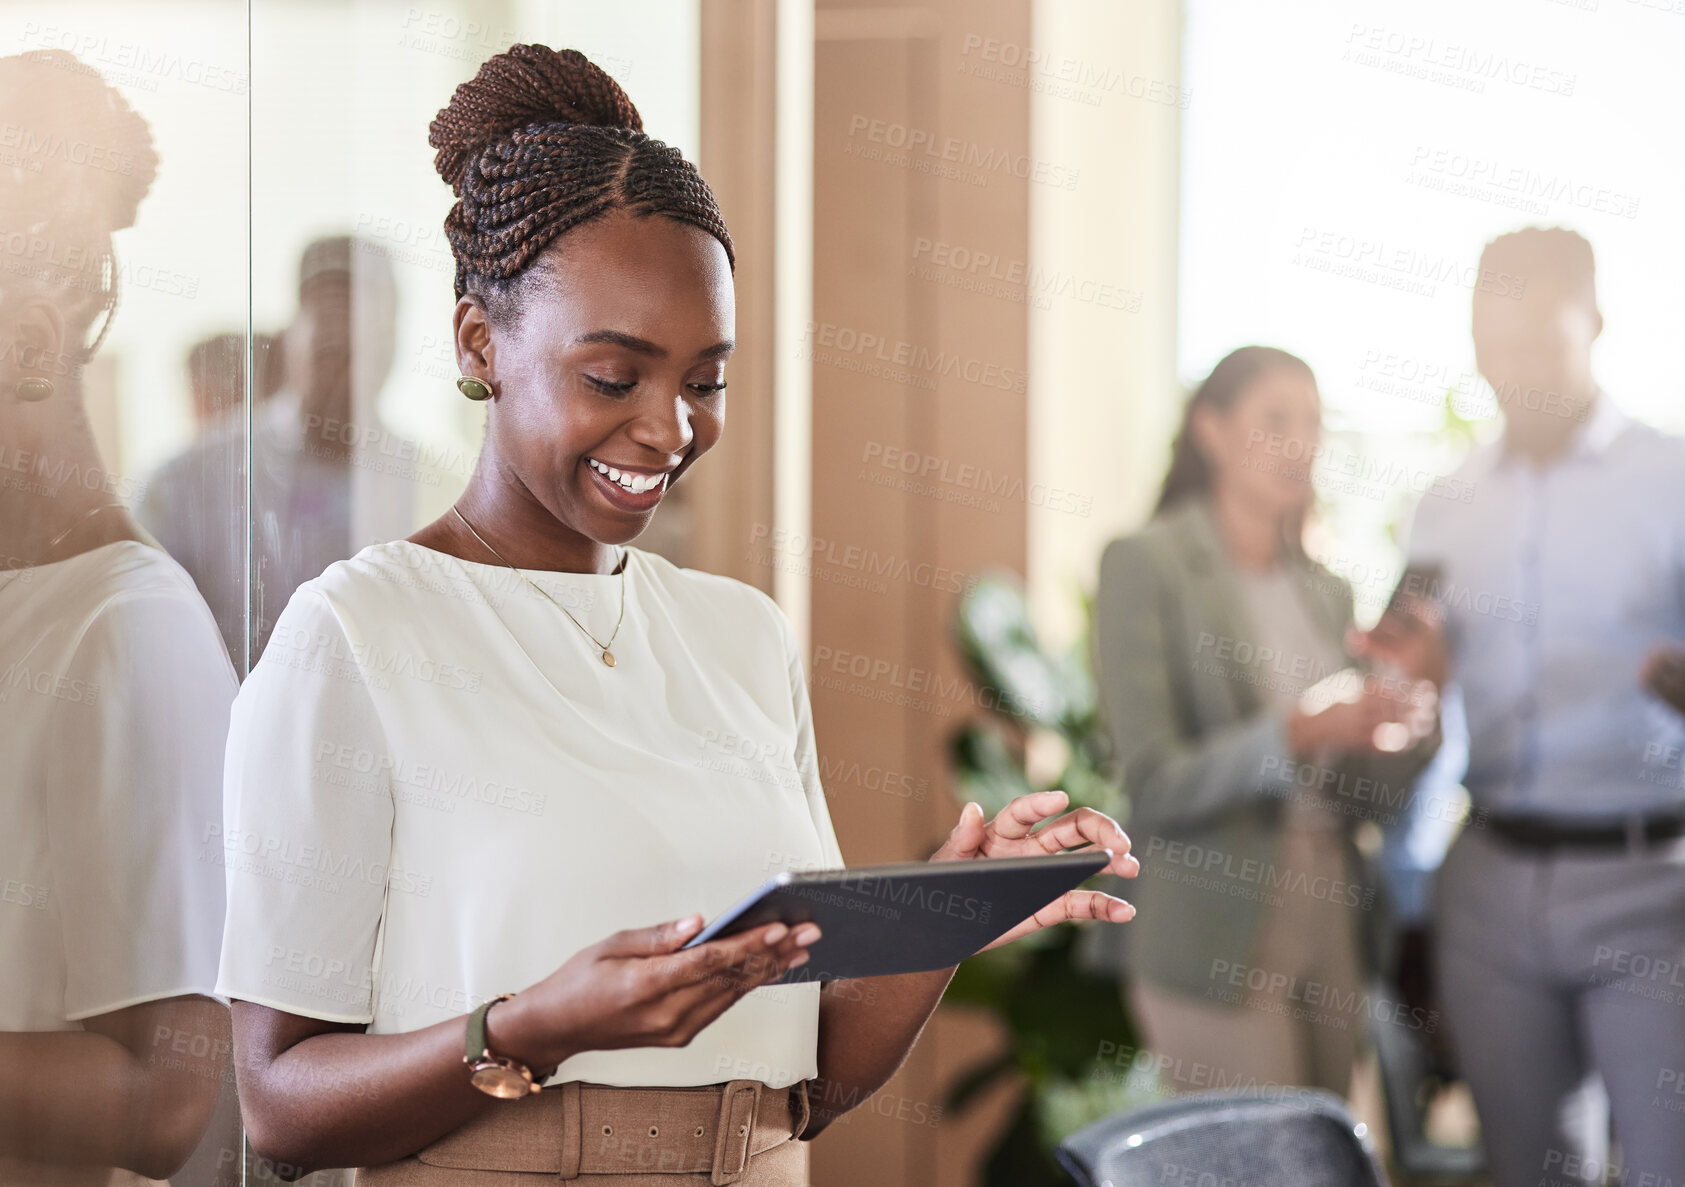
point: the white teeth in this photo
(635, 483)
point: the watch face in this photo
(500, 1080)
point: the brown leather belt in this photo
(572, 1129)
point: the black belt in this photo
(1617, 834)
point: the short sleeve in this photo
(306, 834)
(806, 749)
(133, 787)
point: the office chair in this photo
(1294, 1138)
(1407, 1067)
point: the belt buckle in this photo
(1637, 837)
(739, 1103)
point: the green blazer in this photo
(1205, 764)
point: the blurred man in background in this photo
(186, 499)
(216, 375)
(1562, 591)
(326, 475)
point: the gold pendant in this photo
(608, 657)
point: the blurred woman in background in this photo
(1211, 624)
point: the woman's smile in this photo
(633, 490)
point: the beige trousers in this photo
(1289, 1018)
(741, 1132)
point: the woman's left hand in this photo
(1010, 834)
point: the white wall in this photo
(1102, 391)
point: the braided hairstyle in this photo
(541, 141)
(82, 162)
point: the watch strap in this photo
(477, 1046)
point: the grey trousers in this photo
(1554, 965)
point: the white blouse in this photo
(115, 691)
(437, 792)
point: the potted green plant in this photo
(1063, 1020)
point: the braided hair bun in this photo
(81, 161)
(530, 84)
(541, 141)
(82, 155)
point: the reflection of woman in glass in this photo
(114, 693)
(1210, 623)
(487, 758)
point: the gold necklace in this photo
(58, 539)
(608, 656)
(79, 521)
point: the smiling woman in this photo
(391, 899)
(605, 389)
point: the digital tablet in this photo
(905, 918)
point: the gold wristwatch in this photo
(495, 1075)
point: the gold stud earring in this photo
(474, 389)
(33, 389)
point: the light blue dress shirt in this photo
(1558, 582)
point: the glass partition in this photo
(226, 362)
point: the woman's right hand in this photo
(1385, 716)
(641, 988)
